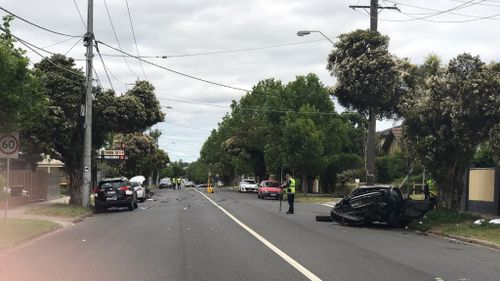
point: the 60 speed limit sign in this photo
(9, 145)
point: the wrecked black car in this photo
(384, 204)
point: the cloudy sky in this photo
(240, 42)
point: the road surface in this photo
(182, 235)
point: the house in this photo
(391, 140)
(34, 183)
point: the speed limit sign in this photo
(9, 145)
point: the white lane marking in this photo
(328, 205)
(275, 249)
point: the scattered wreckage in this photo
(385, 204)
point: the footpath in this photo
(36, 219)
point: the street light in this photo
(307, 32)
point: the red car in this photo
(269, 188)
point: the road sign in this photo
(112, 152)
(9, 145)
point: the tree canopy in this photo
(60, 132)
(448, 116)
(291, 127)
(367, 74)
(21, 101)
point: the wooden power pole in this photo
(372, 118)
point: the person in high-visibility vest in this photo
(289, 187)
(177, 183)
(430, 190)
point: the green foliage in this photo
(447, 117)
(21, 102)
(3, 195)
(61, 210)
(197, 171)
(293, 127)
(59, 132)
(391, 167)
(495, 142)
(483, 158)
(367, 74)
(143, 157)
(176, 169)
(439, 217)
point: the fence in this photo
(483, 190)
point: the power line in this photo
(433, 10)
(97, 76)
(135, 39)
(104, 67)
(80, 14)
(425, 18)
(116, 36)
(480, 4)
(73, 46)
(255, 109)
(33, 48)
(36, 25)
(173, 71)
(223, 51)
(185, 126)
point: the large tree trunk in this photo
(451, 191)
(304, 184)
(75, 186)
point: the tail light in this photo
(97, 189)
(123, 188)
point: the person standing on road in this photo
(289, 184)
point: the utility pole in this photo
(372, 118)
(88, 41)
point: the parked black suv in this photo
(115, 192)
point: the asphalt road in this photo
(184, 236)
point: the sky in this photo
(237, 43)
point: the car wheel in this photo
(98, 209)
(131, 206)
(135, 204)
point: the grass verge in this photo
(19, 230)
(60, 210)
(461, 224)
(313, 199)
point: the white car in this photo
(248, 185)
(141, 191)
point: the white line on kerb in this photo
(275, 249)
(328, 205)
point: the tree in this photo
(197, 171)
(447, 117)
(60, 133)
(367, 80)
(21, 101)
(291, 128)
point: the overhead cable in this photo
(116, 37)
(185, 126)
(104, 67)
(36, 25)
(435, 10)
(80, 14)
(135, 39)
(256, 109)
(173, 71)
(222, 51)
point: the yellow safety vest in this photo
(291, 188)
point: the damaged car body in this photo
(385, 204)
